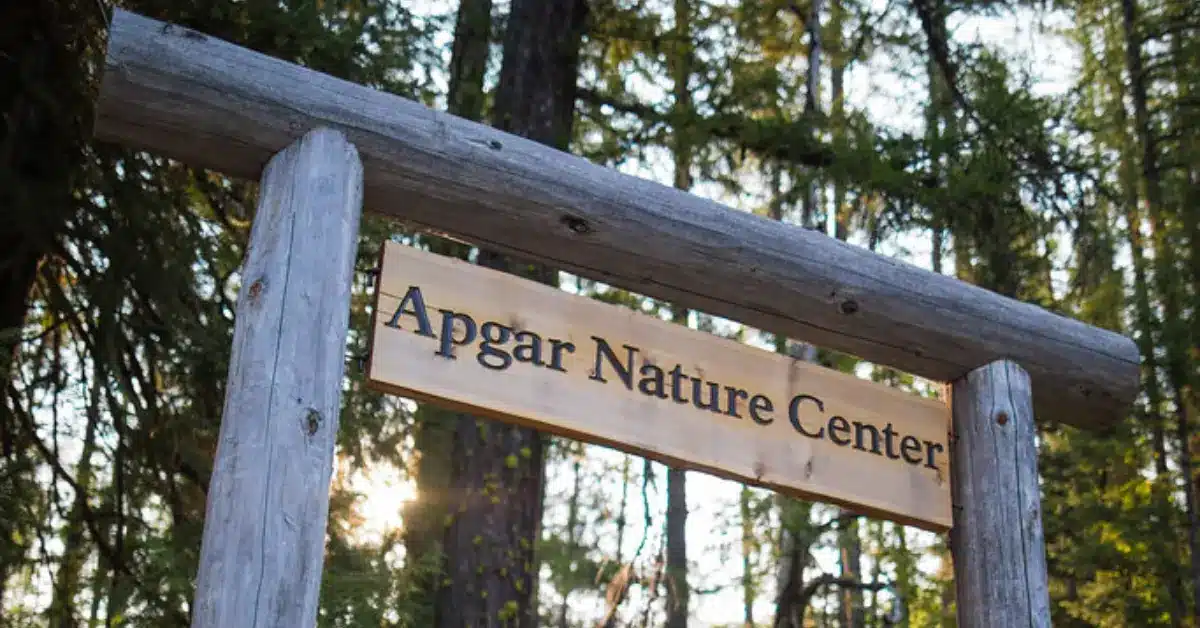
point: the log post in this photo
(268, 500)
(997, 542)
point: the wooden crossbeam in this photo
(206, 102)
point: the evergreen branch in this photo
(939, 49)
(865, 33)
(1035, 156)
(125, 376)
(111, 556)
(784, 140)
(131, 371)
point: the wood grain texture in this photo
(769, 450)
(997, 542)
(264, 530)
(209, 103)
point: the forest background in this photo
(1047, 150)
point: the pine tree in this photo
(491, 569)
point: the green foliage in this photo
(130, 320)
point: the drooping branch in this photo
(1036, 157)
(939, 50)
(806, 594)
(112, 556)
(780, 139)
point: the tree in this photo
(1166, 276)
(491, 570)
(681, 62)
(433, 439)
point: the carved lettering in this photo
(501, 347)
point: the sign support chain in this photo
(997, 541)
(264, 533)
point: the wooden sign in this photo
(501, 346)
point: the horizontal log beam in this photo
(211, 104)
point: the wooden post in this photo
(268, 501)
(997, 543)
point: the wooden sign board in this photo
(504, 347)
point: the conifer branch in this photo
(106, 551)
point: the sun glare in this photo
(383, 493)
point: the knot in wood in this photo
(256, 289)
(312, 421)
(1002, 417)
(849, 306)
(577, 225)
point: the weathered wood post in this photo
(268, 501)
(997, 542)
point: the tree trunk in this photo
(468, 58)
(837, 114)
(491, 568)
(1175, 334)
(941, 131)
(677, 512)
(433, 437)
(1146, 321)
(1143, 313)
(97, 593)
(851, 611)
(66, 586)
(1184, 55)
(1188, 153)
(792, 550)
(677, 567)
(44, 106)
(850, 561)
(749, 588)
(876, 535)
(812, 104)
(575, 452)
(938, 118)
(906, 568)
(465, 99)
(619, 584)
(793, 558)
(120, 585)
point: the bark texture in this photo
(491, 569)
(433, 438)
